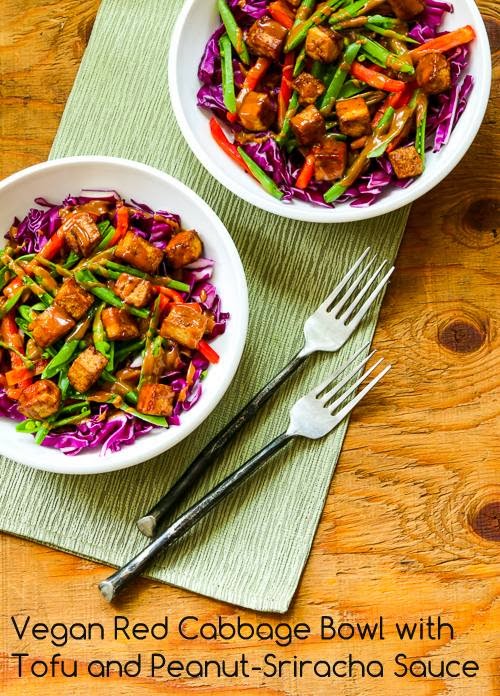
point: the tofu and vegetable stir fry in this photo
(106, 312)
(334, 101)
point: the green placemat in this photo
(250, 551)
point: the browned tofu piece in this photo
(40, 400)
(256, 112)
(330, 159)
(185, 325)
(323, 44)
(407, 9)
(266, 38)
(135, 291)
(183, 248)
(51, 325)
(406, 162)
(309, 88)
(433, 73)
(81, 233)
(308, 125)
(74, 299)
(119, 324)
(156, 400)
(86, 369)
(353, 116)
(139, 253)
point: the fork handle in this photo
(116, 582)
(149, 523)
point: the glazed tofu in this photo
(433, 73)
(256, 112)
(156, 399)
(86, 369)
(183, 248)
(185, 325)
(330, 159)
(353, 116)
(139, 253)
(266, 38)
(119, 324)
(40, 400)
(309, 88)
(73, 299)
(81, 233)
(407, 9)
(51, 325)
(406, 162)
(135, 291)
(308, 125)
(323, 44)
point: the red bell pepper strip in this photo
(399, 99)
(18, 375)
(208, 352)
(306, 173)
(12, 337)
(445, 42)
(376, 79)
(229, 148)
(281, 14)
(256, 73)
(232, 118)
(173, 295)
(286, 88)
(122, 220)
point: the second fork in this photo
(327, 329)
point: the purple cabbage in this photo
(444, 112)
(8, 407)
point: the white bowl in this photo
(54, 181)
(198, 19)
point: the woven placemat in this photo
(250, 551)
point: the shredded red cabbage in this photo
(444, 112)
(108, 429)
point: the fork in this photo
(327, 329)
(313, 416)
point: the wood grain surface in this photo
(411, 527)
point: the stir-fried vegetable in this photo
(318, 78)
(107, 333)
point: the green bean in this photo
(128, 350)
(42, 434)
(149, 342)
(401, 117)
(317, 69)
(5, 276)
(107, 233)
(64, 384)
(61, 270)
(69, 347)
(100, 338)
(382, 21)
(380, 55)
(176, 285)
(300, 62)
(11, 302)
(226, 56)
(351, 88)
(155, 420)
(125, 269)
(26, 280)
(130, 394)
(340, 76)
(422, 108)
(26, 361)
(89, 282)
(70, 420)
(290, 113)
(390, 34)
(360, 7)
(264, 180)
(29, 425)
(303, 11)
(297, 34)
(72, 259)
(234, 32)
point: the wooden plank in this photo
(410, 527)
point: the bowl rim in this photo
(137, 453)
(345, 212)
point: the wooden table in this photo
(412, 524)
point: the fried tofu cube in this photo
(119, 324)
(330, 159)
(183, 248)
(156, 400)
(309, 88)
(256, 112)
(185, 325)
(266, 38)
(308, 125)
(40, 400)
(323, 44)
(406, 162)
(353, 116)
(74, 299)
(134, 291)
(139, 253)
(407, 9)
(433, 73)
(86, 369)
(81, 233)
(51, 325)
